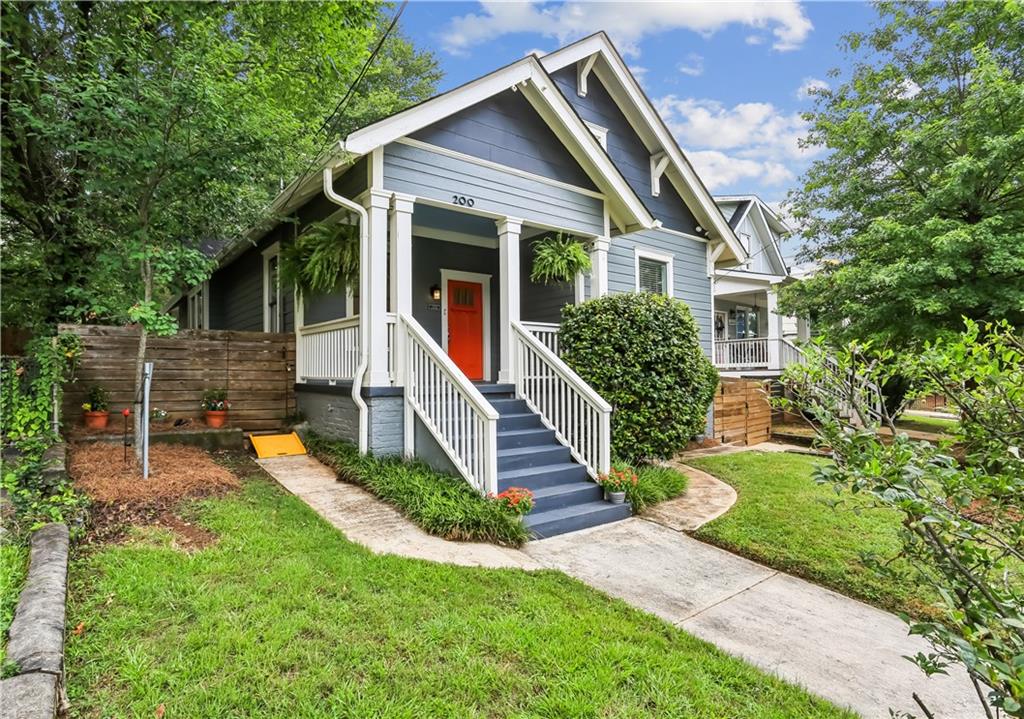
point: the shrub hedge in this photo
(439, 503)
(642, 353)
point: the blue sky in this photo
(730, 78)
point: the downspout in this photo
(364, 328)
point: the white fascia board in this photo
(685, 178)
(770, 240)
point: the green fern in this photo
(558, 259)
(324, 255)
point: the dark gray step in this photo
(496, 389)
(524, 420)
(521, 457)
(566, 495)
(571, 519)
(508, 438)
(509, 406)
(534, 478)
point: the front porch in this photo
(749, 334)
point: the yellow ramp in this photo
(276, 445)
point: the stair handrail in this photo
(452, 409)
(579, 416)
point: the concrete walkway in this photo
(834, 646)
(705, 498)
(377, 525)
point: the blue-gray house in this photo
(445, 350)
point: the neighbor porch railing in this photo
(328, 350)
(579, 416)
(749, 353)
(464, 424)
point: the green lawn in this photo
(921, 423)
(781, 519)
(283, 617)
(13, 568)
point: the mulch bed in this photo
(121, 498)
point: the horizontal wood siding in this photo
(236, 294)
(690, 282)
(626, 149)
(439, 177)
(257, 369)
(507, 130)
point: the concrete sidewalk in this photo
(834, 646)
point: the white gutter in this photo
(364, 327)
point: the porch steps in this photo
(529, 455)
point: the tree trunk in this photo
(140, 360)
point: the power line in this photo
(344, 100)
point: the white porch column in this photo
(400, 263)
(774, 331)
(599, 267)
(508, 273)
(373, 283)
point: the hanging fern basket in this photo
(558, 259)
(324, 256)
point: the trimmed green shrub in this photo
(642, 353)
(439, 503)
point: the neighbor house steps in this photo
(566, 499)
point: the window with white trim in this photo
(196, 311)
(601, 133)
(273, 310)
(653, 272)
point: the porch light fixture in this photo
(435, 293)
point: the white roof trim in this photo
(529, 77)
(771, 236)
(683, 171)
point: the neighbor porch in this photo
(751, 338)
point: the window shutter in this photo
(652, 276)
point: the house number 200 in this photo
(462, 200)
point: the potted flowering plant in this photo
(94, 409)
(215, 405)
(517, 500)
(617, 482)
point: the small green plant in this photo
(517, 500)
(621, 478)
(215, 400)
(30, 388)
(558, 258)
(642, 353)
(439, 503)
(97, 401)
(325, 255)
(655, 483)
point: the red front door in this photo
(466, 327)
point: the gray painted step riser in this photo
(533, 439)
(525, 422)
(581, 493)
(544, 479)
(540, 457)
(613, 513)
(510, 406)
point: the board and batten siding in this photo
(626, 149)
(690, 281)
(507, 130)
(440, 177)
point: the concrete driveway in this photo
(834, 646)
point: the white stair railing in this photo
(329, 350)
(546, 332)
(579, 416)
(464, 424)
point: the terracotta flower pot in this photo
(216, 417)
(96, 420)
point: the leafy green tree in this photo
(916, 208)
(136, 132)
(961, 502)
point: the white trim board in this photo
(485, 281)
(270, 252)
(648, 254)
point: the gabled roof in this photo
(761, 213)
(528, 77)
(611, 70)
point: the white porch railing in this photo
(547, 333)
(579, 416)
(742, 354)
(451, 408)
(329, 350)
(789, 353)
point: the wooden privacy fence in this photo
(256, 368)
(742, 411)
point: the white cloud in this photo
(754, 39)
(627, 22)
(809, 86)
(692, 66)
(717, 169)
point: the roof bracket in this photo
(583, 68)
(659, 163)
